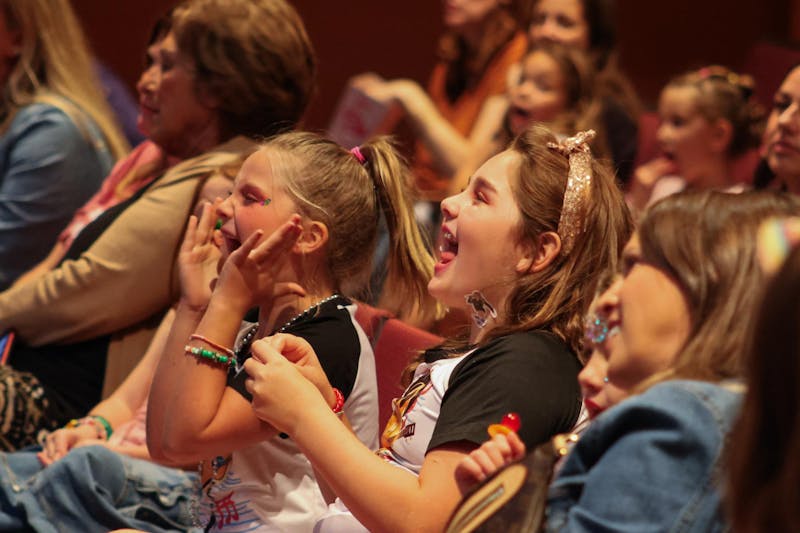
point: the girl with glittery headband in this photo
(707, 121)
(528, 274)
(297, 234)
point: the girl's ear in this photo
(722, 135)
(314, 236)
(537, 257)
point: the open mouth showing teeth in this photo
(448, 248)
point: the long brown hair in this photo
(558, 297)
(714, 263)
(331, 185)
(55, 66)
(764, 450)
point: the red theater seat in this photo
(395, 344)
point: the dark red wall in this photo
(657, 39)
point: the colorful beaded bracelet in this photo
(211, 355)
(215, 345)
(101, 425)
(339, 405)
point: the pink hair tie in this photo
(356, 151)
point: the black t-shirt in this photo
(533, 374)
(330, 330)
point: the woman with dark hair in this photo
(228, 71)
(764, 486)
(782, 137)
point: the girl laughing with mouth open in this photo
(524, 246)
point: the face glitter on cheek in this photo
(266, 202)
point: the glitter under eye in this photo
(266, 202)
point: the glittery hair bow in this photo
(579, 182)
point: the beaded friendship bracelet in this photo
(101, 425)
(216, 346)
(210, 355)
(338, 407)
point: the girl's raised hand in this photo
(249, 274)
(285, 379)
(198, 256)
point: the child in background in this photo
(708, 119)
(554, 86)
(588, 25)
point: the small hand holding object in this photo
(503, 448)
(286, 380)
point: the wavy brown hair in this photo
(557, 298)
(714, 263)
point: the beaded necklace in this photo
(219, 461)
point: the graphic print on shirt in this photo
(397, 427)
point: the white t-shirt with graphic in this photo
(270, 486)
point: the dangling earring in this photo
(482, 310)
(596, 328)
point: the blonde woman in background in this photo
(58, 137)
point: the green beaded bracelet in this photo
(103, 422)
(211, 355)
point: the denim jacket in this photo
(652, 463)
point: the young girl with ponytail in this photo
(297, 235)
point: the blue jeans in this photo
(93, 489)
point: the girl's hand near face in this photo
(286, 381)
(491, 456)
(248, 275)
(197, 258)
